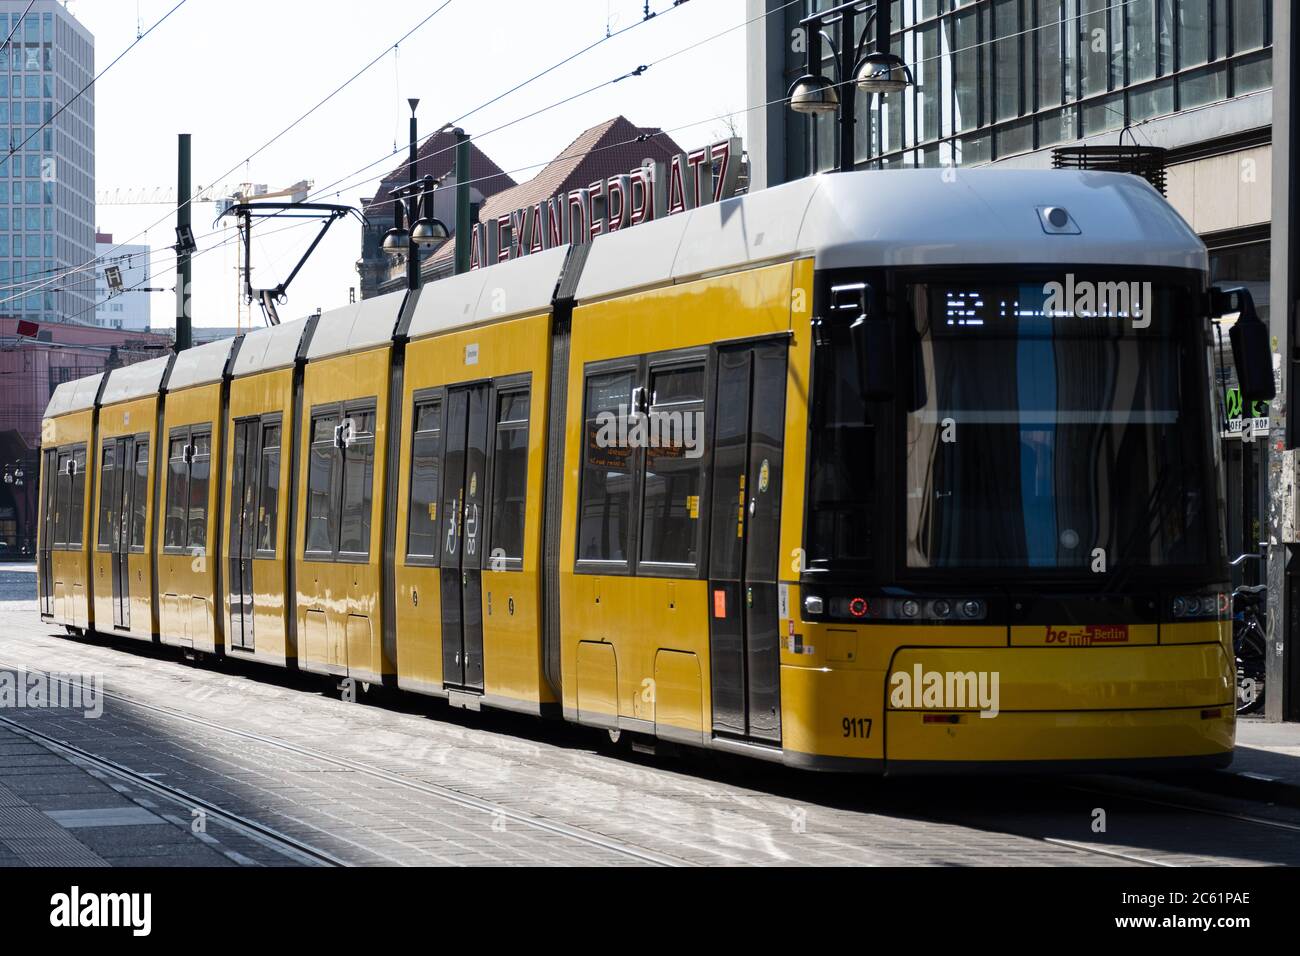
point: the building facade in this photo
(1007, 81)
(127, 309)
(34, 358)
(611, 147)
(47, 185)
(436, 157)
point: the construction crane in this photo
(224, 195)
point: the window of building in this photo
(1031, 74)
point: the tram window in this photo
(426, 453)
(200, 467)
(670, 518)
(178, 493)
(358, 481)
(77, 508)
(139, 493)
(841, 490)
(268, 492)
(62, 500)
(510, 476)
(605, 505)
(320, 482)
(107, 471)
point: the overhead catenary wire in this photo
(635, 72)
(638, 71)
(18, 23)
(94, 79)
(172, 268)
(93, 262)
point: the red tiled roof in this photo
(606, 149)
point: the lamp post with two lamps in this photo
(413, 203)
(879, 71)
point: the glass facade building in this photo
(47, 173)
(999, 78)
(1006, 81)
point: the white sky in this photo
(235, 72)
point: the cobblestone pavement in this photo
(412, 781)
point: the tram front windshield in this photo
(1042, 430)
(1074, 435)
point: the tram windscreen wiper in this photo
(1058, 433)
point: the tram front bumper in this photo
(1073, 708)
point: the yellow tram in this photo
(777, 475)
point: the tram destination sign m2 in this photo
(653, 190)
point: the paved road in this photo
(412, 781)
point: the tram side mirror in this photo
(1252, 352)
(872, 336)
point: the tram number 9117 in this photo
(858, 727)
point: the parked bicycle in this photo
(1249, 614)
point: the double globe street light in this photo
(413, 203)
(879, 71)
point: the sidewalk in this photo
(54, 812)
(1269, 754)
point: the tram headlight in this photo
(972, 609)
(910, 608)
(1216, 605)
(942, 609)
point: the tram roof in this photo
(74, 396)
(134, 381)
(889, 218)
(270, 347)
(513, 288)
(357, 326)
(899, 218)
(200, 365)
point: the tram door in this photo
(50, 474)
(463, 541)
(119, 461)
(744, 557)
(243, 530)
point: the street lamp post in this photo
(413, 203)
(879, 71)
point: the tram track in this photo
(446, 794)
(1137, 791)
(291, 847)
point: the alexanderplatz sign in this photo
(653, 190)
